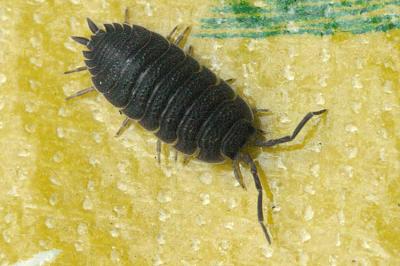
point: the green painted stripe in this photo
(301, 14)
(355, 26)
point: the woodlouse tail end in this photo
(92, 26)
(81, 40)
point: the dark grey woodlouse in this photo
(153, 81)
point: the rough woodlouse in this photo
(185, 104)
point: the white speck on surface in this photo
(148, 9)
(30, 128)
(325, 55)
(36, 61)
(388, 87)
(308, 213)
(163, 216)
(315, 169)
(58, 157)
(158, 261)
(323, 81)
(356, 82)
(304, 235)
(348, 170)
(206, 178)
(9, 218)
(280, 164)
(62, 112)
(232, 203)
(114, 255)
(40, 259)
(82, 229)
(284, 119)
(382, 154)
(338, 241)
(164, 197)
(196, 244)
(53, 199)
(97, 137)
(122, 186)
(49, 222)
(292, 27)
(3, 79)
(268, 252)
(205, 198)
(90, 185)
(351, 128)
(229, 225)
(37, 18)
(352, 152)
(332, 260)
(78, 246)
(341, 218)
(161, 239)
(288, 73)
(309, 189)
(60, 132)
(87, 204)
(303, 259)
(319, 99)
(6, 236)
(30, 107)
(114, 233)
(75, 2)
(200, 220)
(356, 107)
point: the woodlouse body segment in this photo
(153, 81)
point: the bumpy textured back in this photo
(155, 82)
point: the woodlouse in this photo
(152, 80)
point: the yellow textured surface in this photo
(67, 184)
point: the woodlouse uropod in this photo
(154, 81)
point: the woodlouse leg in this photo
(80, 93)
(176, 156)
(126, 16)
(158, 150)
(78, 69)
(258, 110)
(296, 131)
(124, 126)
(247, 159)
(170, 36)
(182, 37)
(190, 50)
(186, 159)
(230, 81)
(238, 173)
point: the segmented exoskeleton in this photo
(153, 81)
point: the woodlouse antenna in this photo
(247, 159)
(158, 150)
(78, 69)
(81, 40)
(273, 142)
(92, 26)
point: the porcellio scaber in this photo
(154, 81)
